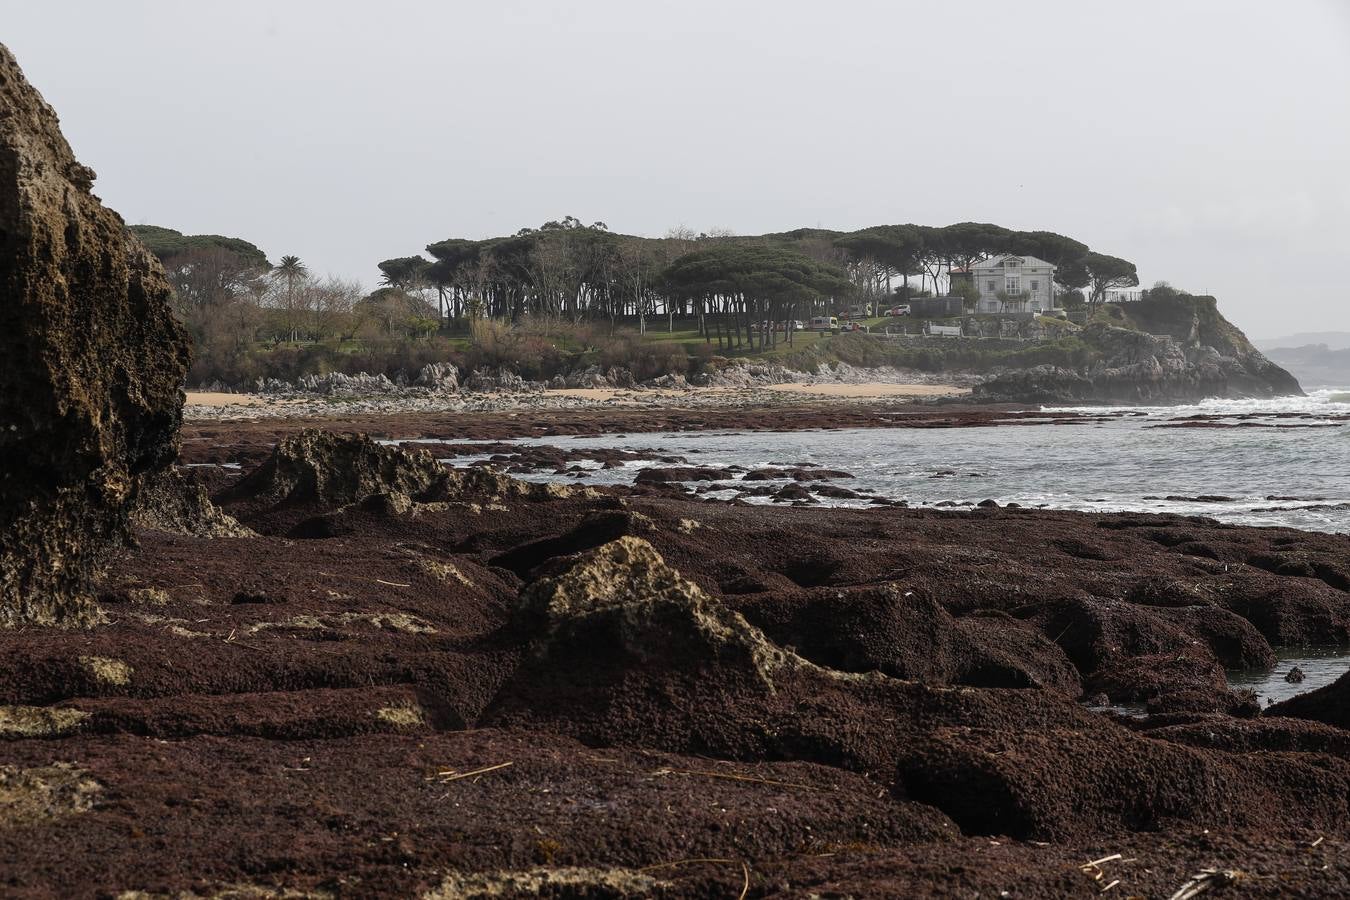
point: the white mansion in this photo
(1027, 282)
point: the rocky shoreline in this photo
(437, 388)
(426, 682)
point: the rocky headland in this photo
(1177, 349)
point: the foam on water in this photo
(1318, 402)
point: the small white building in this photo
(1027, 283)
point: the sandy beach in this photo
(220, 399)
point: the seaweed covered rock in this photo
(91, 364)
(625, 597)
(174, 503)
(316, 482)
(325, 467)
(625, 650)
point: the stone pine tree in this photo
(1106, 272)
(756, 284)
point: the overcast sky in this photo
(1206, 140)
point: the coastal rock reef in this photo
(397, 679)
(91, 363)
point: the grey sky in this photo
(1207, 140)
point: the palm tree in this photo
(290, 270)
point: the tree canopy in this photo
(1106, 272)
(168, 244)
(759, 272)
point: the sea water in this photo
(1282, 462)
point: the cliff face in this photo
(1177, 349)
(91, 362)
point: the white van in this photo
(824, 323)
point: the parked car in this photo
(901, 310)
(853, 326)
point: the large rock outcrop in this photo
(91, 363)
(1176, 349)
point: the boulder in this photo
(440, 376)
(90, 371)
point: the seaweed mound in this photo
(91, 363)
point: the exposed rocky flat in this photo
(423, 682)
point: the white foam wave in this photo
(1319, 402)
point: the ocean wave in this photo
(1316, 402)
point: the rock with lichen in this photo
(624, 597)
(91, 368)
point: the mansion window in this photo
(992, 288)
(1035, 286)
(1012, 286)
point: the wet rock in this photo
(91, 361)
(834, 492)
(793, 493)
(1294, 675)
(796, 473)
(666, 475)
